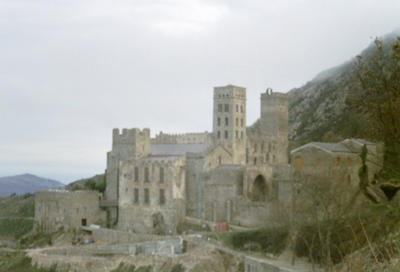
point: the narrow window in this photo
(274, 158)
(241, 108)
(237, 108)
(162, 175)
(219, 134)
(262, 147)
(237, 122)
(146, 174)
(255, 148)
(162, 197)
(219, 107)
(219, 160)
(219, 121)
(241, 135)
(136, 196)
(247, 155)
(241, 122)
(255, 161)
(146, 196)
(226, 134)
(237, 134)
(136, 174)
(226, 107)
(226, 121)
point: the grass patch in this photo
(15, 227)
(123, 267)
(19, 262)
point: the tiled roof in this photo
(176, 149)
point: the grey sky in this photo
(72, 70)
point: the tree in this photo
(378, 98)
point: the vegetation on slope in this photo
(16, 216)
(324, 109)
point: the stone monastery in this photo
(237, 174)
(230, 175)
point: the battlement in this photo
(270, 94)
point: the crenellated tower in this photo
(129, 145)
(229, 120)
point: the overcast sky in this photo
(72, 70)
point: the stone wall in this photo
(59, 209)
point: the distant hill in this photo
(26, 183)
(96, 182)
(321, 109)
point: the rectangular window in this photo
(237, 122)
(226, 134)
(237, 134)
(237, 108)
(241, 108)
(146, 196)
(219, 107)
(136, 174)
(241, 122)
(136, 196)
(219, 134)
(146, 174)
(162, 197)
(219, 121)
(226, 107)
(241, 135)
(226, 121)
(162, 175)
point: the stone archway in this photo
(259, 189)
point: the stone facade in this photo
(60, 209)
(231, 174)
(331, 170)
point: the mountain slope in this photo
(26, 183)
(321, 110)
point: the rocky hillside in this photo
(321, 110)
(26, 183)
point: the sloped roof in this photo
(334, 147)
(330, 147)
(360, 141)
(176, 149)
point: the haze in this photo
(70, 71)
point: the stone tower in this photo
(274, 121)
(229, 120)
(130, 144)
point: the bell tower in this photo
(229, 120)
